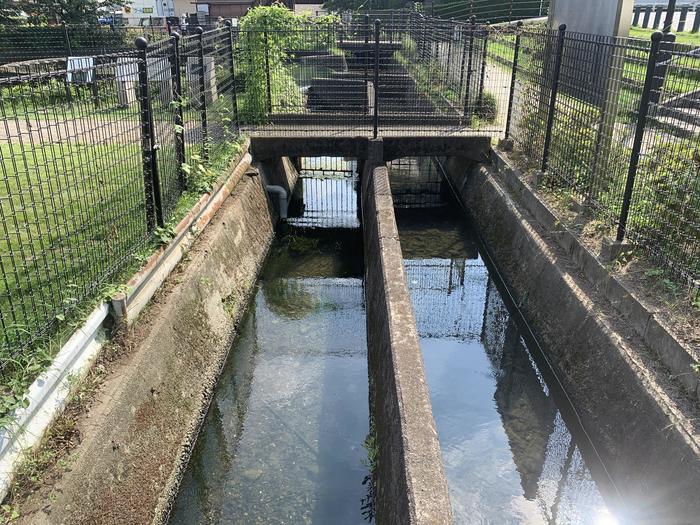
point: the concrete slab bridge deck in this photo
(270, 146)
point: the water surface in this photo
(282, 442)
(509, 456)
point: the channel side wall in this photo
(410, 480)
(644, 428)
(138, 435)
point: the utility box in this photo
(193, 79)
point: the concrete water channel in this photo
(284, 438)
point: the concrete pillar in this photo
(597, 17)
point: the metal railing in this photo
(370, 77)
(26, 43)
(490, 11)
(658, 17)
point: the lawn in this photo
(685, 37)
(70, 214)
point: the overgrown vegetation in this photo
(269, 34)
(368, 504)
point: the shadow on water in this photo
(513, 452)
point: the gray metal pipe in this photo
(282, 199)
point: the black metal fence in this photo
(490, 11)
(403, 71)
(613, 123)
(95, 154)
(25, 43)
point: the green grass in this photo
(684, 37)
(73, 224)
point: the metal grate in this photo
(95, 152)
(416, 183)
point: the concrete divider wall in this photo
(411, 485)
(641, 424)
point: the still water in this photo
(509, 456)
(282, 442)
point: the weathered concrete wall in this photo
(273, 147)
(411, 485)
(644, 429)
(137, 436)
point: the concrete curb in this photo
(48, 394)
(140, 288)
(645, 321)
(641, 425)
(50, 391)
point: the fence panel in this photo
(599, 106)
(163, 105)
(665, 209)
(219, 93)
(21, 43)
(72, 205)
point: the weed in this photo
(165, 234)
(368, 502)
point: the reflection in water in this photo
(325, 195)
(282, 442)
(509, 457)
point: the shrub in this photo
(487, 108)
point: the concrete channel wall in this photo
(411, 485)
(642, 424)
(139, 432)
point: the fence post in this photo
(657, 17)
(463, 60)
(472, 28)
(670, 11)
(268, 86)
(511, 93)
(635, 19)
(232, 66)
(151, 181)
(644, 103)
(376, 78)
(202, 93)
(178, 114)
(480, 100)
(366, 54)
(662, 62)
(553, 96)
(66, 39)
(683, 19)
(451, 35)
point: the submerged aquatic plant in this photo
(368, 502)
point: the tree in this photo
(357, 5)
(68, 11)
